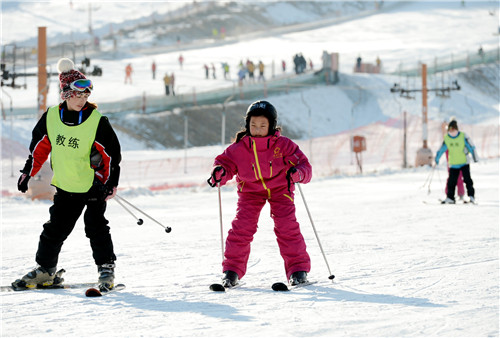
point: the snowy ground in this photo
(403, 267)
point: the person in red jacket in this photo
(266, 164)
(84, 156)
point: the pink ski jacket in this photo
(261, 163)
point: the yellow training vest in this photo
(70, 154)
(456, 147)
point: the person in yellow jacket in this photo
(167, 80)
(261, 71)
(85, 155)
(459, 146)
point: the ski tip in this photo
(280, 287)
(93, 292)
(101, 290)
(217, 287)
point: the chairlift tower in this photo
(424, 154)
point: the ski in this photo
(20, 285)
(441, 201)
(218, 287)
(9, 288)
(279, 286)
(101, 290)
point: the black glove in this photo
(99, 191)
(216, 176)
(289, 178)
(108, 191)
(22, 183)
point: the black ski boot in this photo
(106, 275)
(230, 279)
(298, 277)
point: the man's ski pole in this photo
(167, 229)
(315, 233)
(139, 220)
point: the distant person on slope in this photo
(128, 73)
(266, 166)
(85, 156)
(460, 179)
(459, 146)
(167, 81)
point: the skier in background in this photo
(172, 83)
(207, 70)
(213, 71)
(261, 71)
(167, 80)
(459, 146)
(225, 68)
(460, 180)
(241, 76)
(358, 64)
(181, 60)
(153, 69)
(128, 73)
(266, 166)
(251, 70)
(85, 156)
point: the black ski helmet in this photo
(453, 125)
(262, 108)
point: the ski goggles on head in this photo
(81, 85)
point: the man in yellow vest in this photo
(459, 146)
(84, 155)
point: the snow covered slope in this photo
(404, 264)
(403, 267)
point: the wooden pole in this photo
(424, 104)
(424, 155)
(42, 70)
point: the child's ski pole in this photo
(315, 233)
(220, 218)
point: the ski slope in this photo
(404, 264)
(402, 267)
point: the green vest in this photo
(456, 147)
(70, 154)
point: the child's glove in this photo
(217, 173)
(22, 183)
(294, 175)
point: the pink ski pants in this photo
(244, 226)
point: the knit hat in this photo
(67, 75)
(262, 108)
(453, 125)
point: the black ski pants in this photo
(453, 178)
(64, 213)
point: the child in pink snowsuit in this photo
(266, 165)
